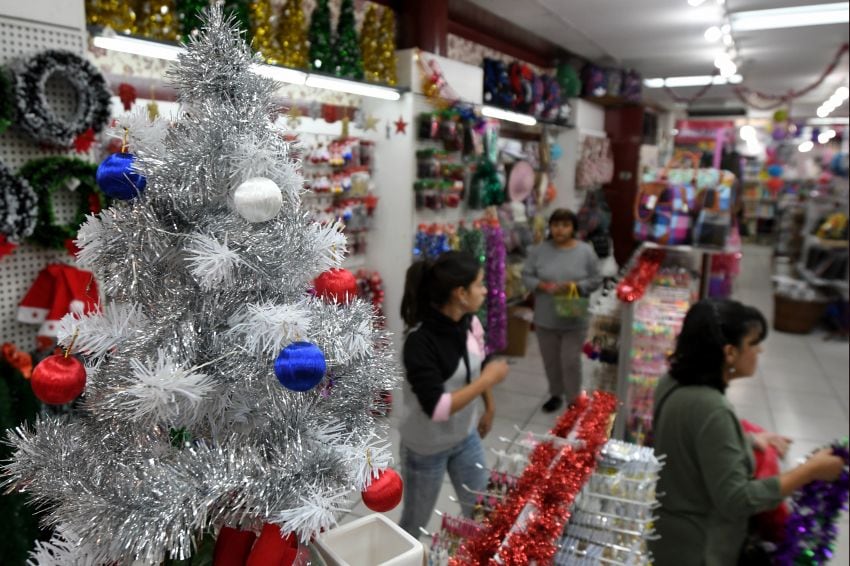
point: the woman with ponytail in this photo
(708, 482)
(447, 391)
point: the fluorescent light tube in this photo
(797, 16)
(828, 121)
(698, 80)
(806, 147)
(141, 47)
(653, 83)
(499, 114)
(280, 74)
(352, 87)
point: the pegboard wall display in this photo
(19, 38)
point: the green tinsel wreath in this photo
(7, 105)
(46, 176)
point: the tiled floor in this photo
(801, 390)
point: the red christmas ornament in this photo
(58, 379)
(232, 547)
(336, 285)
(272, 548)
(384, 493)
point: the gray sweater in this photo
(547, 262)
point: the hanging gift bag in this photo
(571, 304)
(662, 214)
(714, 219)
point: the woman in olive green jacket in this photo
(707, 480)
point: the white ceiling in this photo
(662, 38)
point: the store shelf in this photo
(816, 281)
(828, 244)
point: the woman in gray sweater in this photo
(552, 267)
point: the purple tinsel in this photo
(494, 275)
(811, 530)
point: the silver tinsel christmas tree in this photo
(185, 425)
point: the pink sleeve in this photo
(475, 340)
(443, 410)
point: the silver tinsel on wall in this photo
(184, 426)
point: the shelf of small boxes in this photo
(338, 174)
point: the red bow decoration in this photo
(21, 361)
(6, 247)
(84, 141)
(127, 94)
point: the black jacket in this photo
(432, 351)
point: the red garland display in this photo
(526, 526)
(384, 493)
(371, 288)
(336, 285)
(633, 286)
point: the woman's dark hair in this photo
(709, 326)
(430, 283)
(562, 215)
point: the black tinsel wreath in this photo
(18, 206)
(36, 117)
(47, 175)
(7, 107)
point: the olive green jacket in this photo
(707, 482)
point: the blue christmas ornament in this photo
(300, 366)
(117, 178)
(774, 170)
(555, 152)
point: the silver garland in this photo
(199, 304)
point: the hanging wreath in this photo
(7, 107)
(18, 206)
(37, 118)
(50, 174)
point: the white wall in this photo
(589, 118)
(62, 13)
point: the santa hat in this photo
(58, 289)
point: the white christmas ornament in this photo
(258, 199)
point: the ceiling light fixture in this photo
(748, 133)
(796, 16)
(806, 146)
(499, 114)
(698, 80)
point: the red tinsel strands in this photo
(743, 93)
(525, 526)
(689, 99)
(633, 286)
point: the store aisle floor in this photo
(801, 391)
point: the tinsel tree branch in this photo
(199, 304)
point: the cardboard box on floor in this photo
(519, 324)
